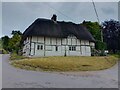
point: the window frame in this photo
(72, 48)
(39, 47)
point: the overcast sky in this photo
(19, 15)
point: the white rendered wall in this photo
(26, 47)
(49, 47)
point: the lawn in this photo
(66, 63)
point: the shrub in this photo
(3, 51)
(100, 45)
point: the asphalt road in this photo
(18, 78)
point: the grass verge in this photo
(116, 55)
(14, 56)
(66, 63)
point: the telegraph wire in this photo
(74, 20)
(59, 12)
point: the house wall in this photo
(49, 45)
(26, 47)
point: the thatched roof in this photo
(61, 29)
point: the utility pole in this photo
(98, 19)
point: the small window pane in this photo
(74, 48)
(56, 48)
(38, 47)
(41, 47)
(70, 48)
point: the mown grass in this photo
(66, 63)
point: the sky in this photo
(19, 15)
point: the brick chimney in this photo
(54, 17)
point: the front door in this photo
(40, 50)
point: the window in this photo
(56, 48)
(39, 47)
(72, 48)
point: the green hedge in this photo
(100, 45)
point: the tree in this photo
(95, 29)
(111, 34)
(16, 32)
(14, 44)
(5, 42)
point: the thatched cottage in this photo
(49, 37)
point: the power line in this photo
(59, 12)
(74, 20)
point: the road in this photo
(18, 78)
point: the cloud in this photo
(19, 15)
(108, 10)
(59, 0)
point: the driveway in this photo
(18, 78)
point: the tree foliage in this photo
(16, 32)
(111, 34)
(95, 29)
(12, 44)
(5, 42)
